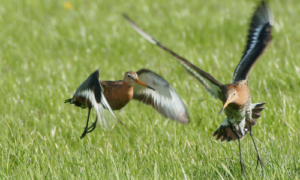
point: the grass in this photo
(47, 50)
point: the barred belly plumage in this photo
(236, 116)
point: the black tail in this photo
(225, 132)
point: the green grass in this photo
(46, 51)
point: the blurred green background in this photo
(48, 48)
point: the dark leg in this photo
(241, 159)
(93, 126)
(86, 127)
(258, 157)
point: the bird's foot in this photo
(92, 127)
(84, 133)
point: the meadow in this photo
(47, 48)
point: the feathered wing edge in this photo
(207, 81)
(107, 106)
(259, 37)
(90, 90)
(164, 99)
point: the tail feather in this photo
(225, 132)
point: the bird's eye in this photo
(128, 75)
(233, 93)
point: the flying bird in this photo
(241, 114)
(143, 85)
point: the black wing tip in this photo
(261, 18)
(263, 3)
(263, 7)
(256, 111)
(97, 72)
(68, 101)
(259, 105)
(120, 122)
(143, 70)
(261, 15)
(125, 15)
(128, 19)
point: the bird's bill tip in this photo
(151, 88)
(143, 84)
(224, 106)
(220, 111)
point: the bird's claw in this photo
(92, 127)
(88, 130)
(84, 133)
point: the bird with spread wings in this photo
(241, 114)
(143, 85)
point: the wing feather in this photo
(207, 81)
(164, 99)
(259, 37)
(89, 93)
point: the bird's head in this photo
(231, 95)
(132, 78)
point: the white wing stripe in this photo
(164, 99)
(254, 41)
(89, 94)
(99, 107)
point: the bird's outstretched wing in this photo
(259, 37)
(90, 93)
(207, 81)
(164, 99)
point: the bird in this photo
(143, 85)
(241, 114)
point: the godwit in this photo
(144, 85)
(236, 97)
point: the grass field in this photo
(47, 49)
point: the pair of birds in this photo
(150, 88)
